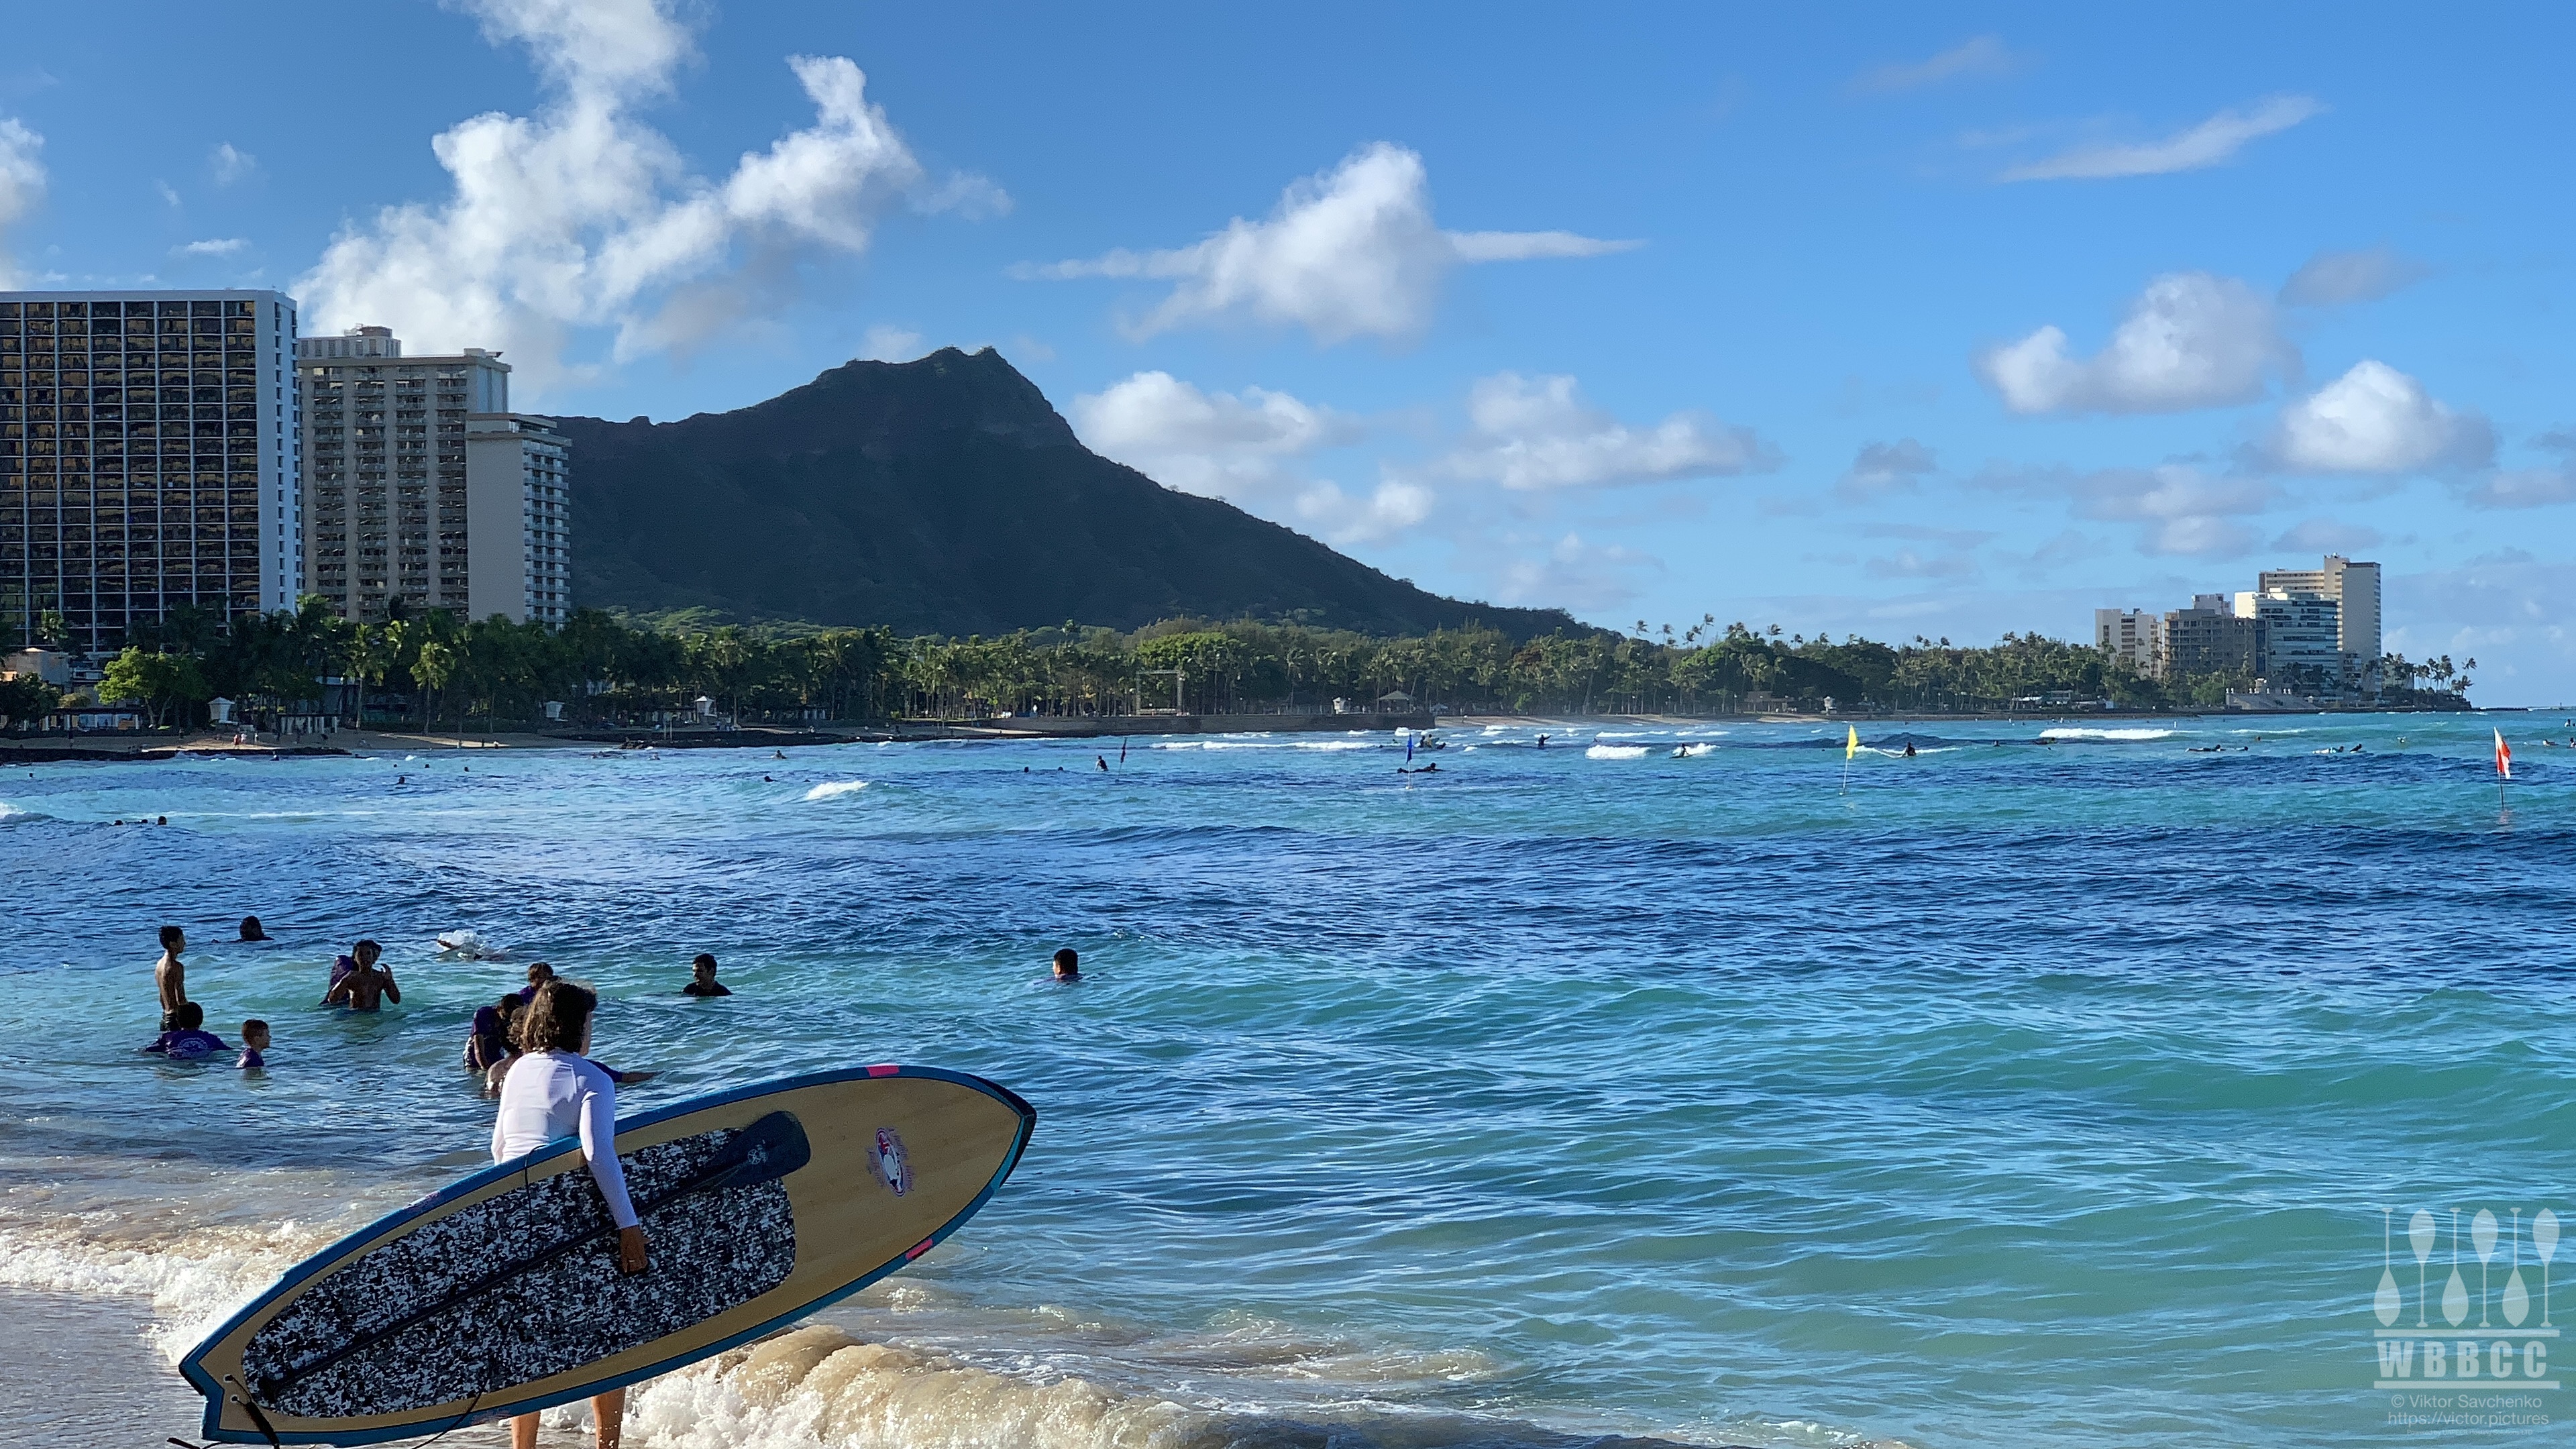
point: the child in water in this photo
(188, 1040)
(254, 1044)
(1068, 965)
(490, 1041)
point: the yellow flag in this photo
(1851, 745)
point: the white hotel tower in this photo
(426, 491)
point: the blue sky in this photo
(1652, 314)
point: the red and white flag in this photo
(2504, 757)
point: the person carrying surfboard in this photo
(555, 1091)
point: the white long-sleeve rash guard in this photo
(551, 1094)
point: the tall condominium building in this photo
(148, 460)
(2128, 635)
(2207, 638)
(428, 492)
(2300, 632)
(2354, 587)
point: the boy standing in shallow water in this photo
(171, 976)
(254, 1042)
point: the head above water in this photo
(255, 1034)
(1067, 964)
(366, 952)
(190, 1016)
(173, 940)
(559, 1018)
(251, 930)
(704, 967)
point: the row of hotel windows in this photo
(161, 307)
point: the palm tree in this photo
(435, 665)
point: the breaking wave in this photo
(835, 789)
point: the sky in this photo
(1888, 320)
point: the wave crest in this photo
(835, 789)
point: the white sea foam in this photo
(1617, 752)
(1270, 745)
(2093, 734)
(835, 789)
(1692, 752)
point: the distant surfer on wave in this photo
(554, 1091)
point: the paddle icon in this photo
(771, 1147)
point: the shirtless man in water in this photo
(368, 987)
(171, 976)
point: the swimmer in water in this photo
(188, 1040)
(1542, 742)
(1909, 749)
(254, 1046)
(251, 929)
(1102, 761)
(367, 987)
(1068, 965)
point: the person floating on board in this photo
(555, 1091)
(1068, 965)
(171, 976)
(251, 929)
(702, 978)
(367, 987)
(254, 1046)
(189, 1040)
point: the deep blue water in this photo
(2014, 1094)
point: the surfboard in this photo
(499, 1294)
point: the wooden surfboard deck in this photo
(498, 1295)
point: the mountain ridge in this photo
(945, 496)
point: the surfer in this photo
(1102, 761)
(251, 930)
(254, 1045)
(555, 1091)
(171, 976)
(367, 987)
(1068, 965)
(702, 978)
(1909, 749)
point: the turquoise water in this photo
(2014, 1094)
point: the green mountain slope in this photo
(943, 496)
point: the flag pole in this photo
(1851, 747)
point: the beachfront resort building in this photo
(427, 491)
(2318, 626)
(148, 461)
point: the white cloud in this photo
(1573, 574)
(2524, 488)
(2207, 144)
(1983, 56)
(1538, 434)
(2191, 340)
(970, 195)
(1350, 253)
(219, 247)
(886, 342)
(1245, 448)
(2179, 509)
(2375, 419)
(167, 192)
(1882, 469)
(2332, 278)
(582, 216)
(230, 164)
(2324, 535)
(22, 185)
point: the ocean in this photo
(2062, 1084)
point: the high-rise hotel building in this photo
(147, 460)
(427, 491)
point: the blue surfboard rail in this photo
(192, 1367)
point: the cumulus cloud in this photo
(1882, 469)
(2375, 419)
(230, 163)
(217, 247)
(582, 216)
(886, 342)
(2178, 509)
(2332, 278)
(1538, 434)
(1574, 574)
(2191, 340)
(2211, 142)
(1246, 448)
(1350, 253)
(22, 185)
(1983, 56)
(1926, 553)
